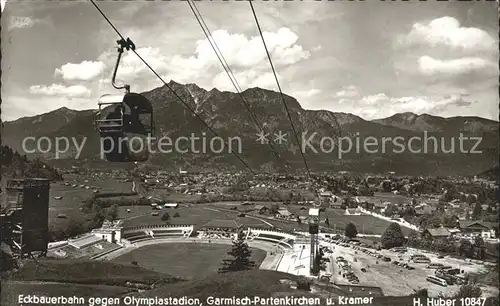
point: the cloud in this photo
(381, 105)
(246, 79)
(306, 93)
(245, 55)
(430, 66)
(446, 31)
(349, 92)
(15, 106)
(21, 22)
(26, 22)
(84, 71)
(74, 91)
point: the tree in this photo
(390, 210)
(74, 228)
(112, 213)
(466, 249)
(450, 221)
(241, 255)
(304, 284)
(468, 291)
(413, 239)
(350, 230)
(476, 213)
(274, 209)
(442, 245)
(429, 221)
(478, 241)
(316, 265)
(392, 237)
(165, 217)
(176, 215)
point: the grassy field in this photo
(11, 291)
(184, 260)
(72, 197)
(260, 283)
(391, 197)
(364, 223)
(87, 272)
(196, 214)
(199, 214)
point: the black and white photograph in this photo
(249, 152)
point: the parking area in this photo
(395, 271)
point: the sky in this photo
(373, 59)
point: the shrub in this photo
(304, 284)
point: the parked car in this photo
(385, 258)
(435, 266)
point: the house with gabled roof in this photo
(473, 228)
(436, 233)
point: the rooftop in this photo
(84, 241)
(438, 232)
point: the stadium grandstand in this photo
(140, 233)
(87, 246)
(222, 229)
(280, 238)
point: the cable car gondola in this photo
(124, 120)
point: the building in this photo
(424, 209)
(25, 216)
(171, 205)
(353, 211)
(284, 214)
(487, 230)
(261, 209)
(325, 196)
(337, 203)
(371, 203)
(436, 233)
(221, 227)
(110, 231)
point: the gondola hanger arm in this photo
(122, 46)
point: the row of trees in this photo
(95, 210)
(19, 166)
(393, 237)
(463, 247)
(165, 216)
(94, 219)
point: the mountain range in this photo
(225, 113)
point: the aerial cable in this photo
(281, 92)
(213, 43)
(230, 74)
(283, 99)
(175, 94)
